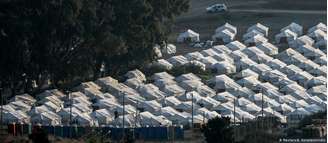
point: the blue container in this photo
(66, 132)
(58, 131)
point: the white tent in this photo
(171, 101)
(194, 56)
(207, 102)
(187, 76)
(105, 82)
(224, 36)
(223, 82)
(235, 45)
(315, 81)
(249, 82)
(224, 68)
(260, 28)
(322, 44)
(284, 109)
(276, 64)
(162, 75)
(320, 26)
(246, 73)
(190, 85)
(261, 58)
(227, 26)
(244, 63)
(291, 88)
(268, 48)
(175, 116)
(15, 117)
(65, 114)
(221, 49)
(209, 52)
(224, 97)
(164, 64)
(103, 116)
(237, 55)
(189, 96)
(257, 39)
(285, 36)
(151, 92)
(152, 106)
(46, 118)
(298, 29)
(273, 76)
(20, 105)
(320, 91)
(157, 52)
(52, 92)
(321, 60)
(188, 36)
(129, 121)
(243, 102)
(209, 61)
(173, 90)
(251, 108)
(223, 58)
(313, 108)
(252, 51)
(300, 104)
(291, 70)
(300, 41)
(136, 74)
(251, 34)
(37, 110)
(302, 78)
(169, 49)
(83, 107)
(186, 106)
(308, 65)
(178, 60)
(260, 68)
(205, 91)
(26, 98)
(148, 119)
(161, 83)
(88, 84)
(318, 35)
(319, 71)
(106, 103)
(207, 113)
(133, 83)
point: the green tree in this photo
(218, 130)
(69, 40)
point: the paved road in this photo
(280, 11)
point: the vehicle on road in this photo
(217, 8)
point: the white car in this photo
(216, 8)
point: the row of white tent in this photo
(174, 107)
(291, 82)
(258, 32)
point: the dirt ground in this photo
(275, 14)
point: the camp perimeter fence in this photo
(140, 133)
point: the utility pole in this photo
(123, 122)
(262, 102)
(1, 114)
(192, 110)
(70, 112)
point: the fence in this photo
(142, 133)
